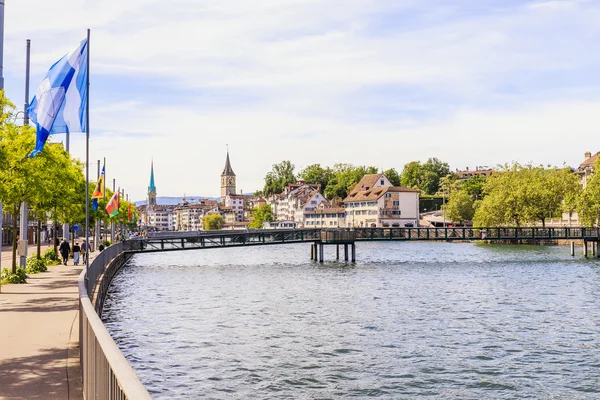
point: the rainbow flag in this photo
(112, 208)
(98, 191)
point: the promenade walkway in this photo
(39, 334)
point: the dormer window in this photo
(382, 182)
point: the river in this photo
(408, 319)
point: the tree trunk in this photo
(39, 242)
(543, 222)
(54, 237)
(14, 243)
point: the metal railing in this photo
(105, 371)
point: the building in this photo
(156, 217)
(375, 202)
(479, 171)
(151, 199)
(227, 180)
(586, 168)
(325, 216)
(236, 202)
(295, 201)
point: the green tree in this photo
(425, 177)
(345, 176)
(587, 203)
(315, 174)
(393, 176)
(474, 186)
(459, 207)
(279, 177)
(212, 222)
(260, 215)
(517, 195)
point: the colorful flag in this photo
(98, 191)
(112, 208)
(129, 213)
(60, 102)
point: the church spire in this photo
(152, 188)
(228, 171)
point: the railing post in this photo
(428, 232)
(446, 233)
(409, 231)
(372, 232)
(182, 243)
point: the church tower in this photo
(151, 189)
(227, 180)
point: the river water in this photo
(409, 319)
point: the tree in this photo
(393, 176)
(474, 187)
(279, 177)
(212, 222)
(345, 176)
(425, 177)
(260, 215)
(587, 203)
(518, 194)
(315, 174)
(459, 207)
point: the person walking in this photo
(65, 249)
(85, 248)
(76, 251)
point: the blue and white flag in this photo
(60, 101)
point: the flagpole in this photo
(87, 154)
(24, 209)
(1, 88)
(97, 229)
(112, 222)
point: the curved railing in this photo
(106, 373)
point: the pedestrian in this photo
(76, 251)
(85, 248)
(101, 247)
(65, 249)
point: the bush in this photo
(50, 257)
(36, 265)
(106, 243)
(7, 277)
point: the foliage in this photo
(393, 176)
(212, 222)
(474, 187)
(35, 265)
(106, 243)
(517, 195)
(260, 215)
(425, 177)
(19, 276)
(460, 206)
(345, 176)
(315, 174)
(279, 177)
(587, 203)
(50, 257)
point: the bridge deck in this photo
(196, 240)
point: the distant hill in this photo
(171, 201)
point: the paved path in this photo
(39, 335)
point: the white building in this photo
(295, 201)
(374, 202)
(236, 203)
(325, 216)
(160, 218)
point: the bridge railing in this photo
(106, 373)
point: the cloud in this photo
(379, 83)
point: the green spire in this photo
(152, 188)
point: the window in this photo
(382, 182)
(396, 202)
(388, 195)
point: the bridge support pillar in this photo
(346, 252)
(316, 250)
(321, 252)
(593, 248)
(572, 249)
(585, 248)
(312, 252)
(353, 252)
(337, 251)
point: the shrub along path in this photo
(39, 335)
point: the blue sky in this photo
(383, 83)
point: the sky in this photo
(366, 82)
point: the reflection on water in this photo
(438, 320)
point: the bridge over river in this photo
(170, 241)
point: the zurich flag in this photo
(60, 101)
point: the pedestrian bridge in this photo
(170, 241)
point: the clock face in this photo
(231, 180)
